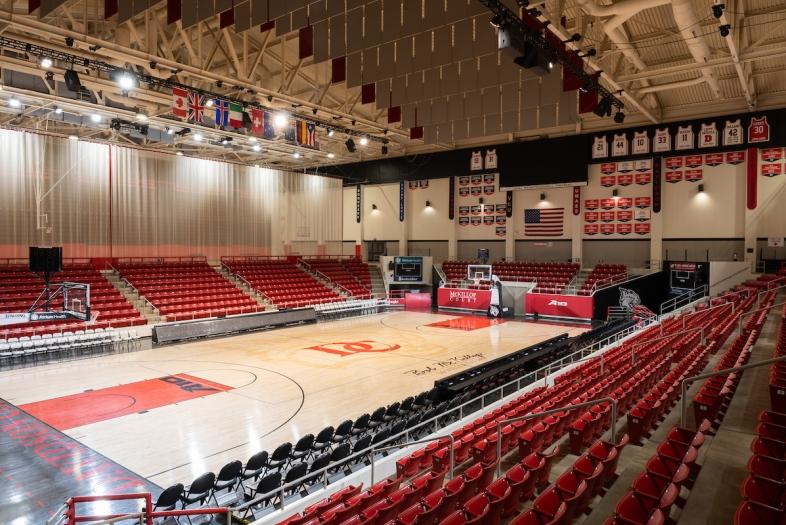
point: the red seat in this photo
(677, 472)
(518, 479)
(436, 506)
(764, 467)
(637, 509)
(472, 480)
(574, 493)
(752, 513)
(502, 500)
(457, 518)
(591, 471)
(410, 515)
(550, 507)
(659, 489)
(765, 492)
(477, 510)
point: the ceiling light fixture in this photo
(252, 139)
(725, 30)
(296, 155)
(209, 103)
(45, 62)
(95, 117)
(363, 141)
(58, 110)
(73, 137)
(179, 153)
(198, 137)
(140, 116)
(256, 147)
(619, 117)
(126, 81)
(331, 155)
(280, 120)
(717, 10)
(330, 132)
(14, 102)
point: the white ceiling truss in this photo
(436, 60)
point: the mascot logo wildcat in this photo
(629, 299)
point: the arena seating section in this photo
(283, 282)
(642, 374)
(347, 276)
(603, 274)
(187, 289)
(551, 277)
(19, 288)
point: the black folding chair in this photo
(343, 432)
(361, 425)
(339, 453)
(227, 478)
(323, 441)
(169, 498)
(199, 491)
(254, 468)
(297, 471)
(268, 484)
(280, 457)
(302, 449)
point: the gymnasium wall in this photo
(98, 200)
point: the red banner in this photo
(608, 167)
(693, 161)
(607, 229)
(417, 301)
(673, 176)
(735, 157)
(608, 204)
(591, 229)
(463, 298)
(673, 163)
(624, 202)
(771, 154)
(592, 204)
(573, 306)
(642, 228)
(607, 216)
(713, 159)
(771, 170)
(625, 215)
(752, 176)
(694, 175)
(576, 200)
(591, 216)
(608, 180)
(643, 178)
(624, 229)
(625, 180)
(643, 202)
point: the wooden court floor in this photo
(173, 412)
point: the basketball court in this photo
(174, 412)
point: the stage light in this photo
(496, 20)
(252, 139)
(45, 62)
(331, 155)
(701, 188)
(542, 196)
(179, 153)
(619, 117)
(256, 147)
(73, 137)
(140, 116)
(296, 155)
(330, 132)
(725, 30)
(717, 10)
(14, 102)
(58, 110)
(198, 137)
(350, 145)
(428, 204)
(363, 141)
(280, 120)
(126, 81)
(384, 150)
(603, 109)
(95, 117)
(209, 103)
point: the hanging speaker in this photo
(46, 259)
(72, 80)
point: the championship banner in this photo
(576, 200)
(642, 228)
(501, 219)
(476, 221)
(713, 159)
(489, 178)
(500, 208)
(625, 215)
(771, 154)
(625, 167)
(694, 175)
(476, 179)
(488, 190)
(488, 221)
(591, 216)
(643, 178)
(475, 209)
(693, 161)
(607, 229)
(592, 204)
(607, 216)
(464, 192)
(475, 191)
(608, 181)
(771, 170)
(557, 305)
(591, 229)
(642, 202)
(735, 157)
(460, 298)
(656, 184)
(643, 165)
(488, 209)
(451, 197)
(672, 163)
(463, 181)
(357, 204)
(625, 180)
(641, 215)
(624, 203)
(608, 204)
(673, 176)
(501, 231)
(463, 210)
(624, 229)
(608, 168)
(463, 221)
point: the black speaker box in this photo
(46, 259)
(72, 82)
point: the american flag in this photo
(543, 222)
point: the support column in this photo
(656, 237)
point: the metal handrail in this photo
(686, 297)
(747, 314)
(58, 514)
(418, 442)
(726, 371)
(768, 290)
(567, 408)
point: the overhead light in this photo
(45, 62)
(73, 137)
(615, 192)
(373, 206)
(363, 141)
(256, 147)
(58, 110)
(384, 150)
(725, 30)
(591, 52)
(619, 117)
(140, 116)
(331, 155)
(603, 109)
(296, 155)
(330, 132)
(225, 141)
(252, 139)
(14, 102)
(198, 137)
(428, 204)
(179, 154)
(701, 188)
(543, 196)
(95, 117)
(717, 10)
(170, 131)
(575, 37)
(551, 65)
(280, 120)
(350, 145)
(126, 81)
(256, 165)
(496, 20)
(209, 103)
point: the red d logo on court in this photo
(356, 347)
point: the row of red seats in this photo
(339, 274)
(778, 372)
(654, 491)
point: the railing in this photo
(757, 310)
(442, 277)
(566, 408)
(683, 299)
(768, 290)
(727, 371)
(160, 260)
(449, 437)
(241, 258)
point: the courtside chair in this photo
(377, 418)
(361, 425)
(339, 453)
(391, 414)
(297, 471)
(228, 477)
(266, 485)
(302, 449)
(421, 401)
(199, 491)
(169, 498)
(323, 441)
(343, 432)
(321, 461)
(360, 445)
(379, 440)
(397, 428)
(254, 468)
(280, 457)
(406, 406)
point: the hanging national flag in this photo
(180, 102)
(543, 222)
(196, 107)
(236, 115)
(306, 134)
(257, 118)
(222, 112)
(289, 131)
(268, 128)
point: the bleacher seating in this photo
(284, 283)
(336, 271)
(551, 277)
(187, 289)
(603, 274)
(19, 288)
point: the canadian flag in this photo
(179, 102)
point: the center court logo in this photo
(464, 296)
(354, 347)
(554, 302)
